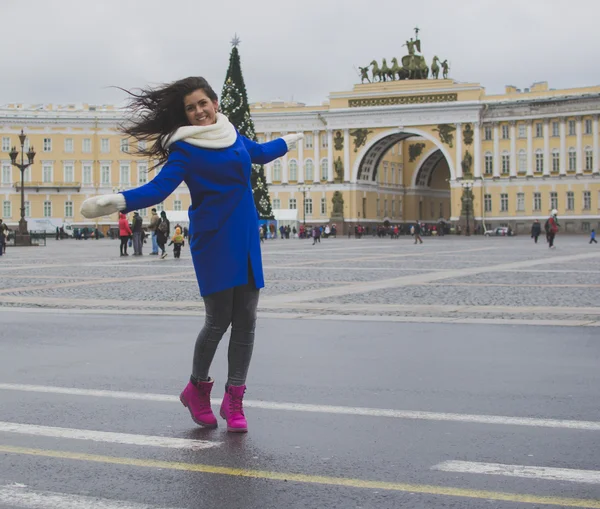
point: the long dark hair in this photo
(157, 113)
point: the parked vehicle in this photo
(48, 225)
(500, 231)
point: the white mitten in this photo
(291, 139)
(103, 205)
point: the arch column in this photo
(347, 154)
(317, 162)
(477, 150)
(459, 173)
(329, 155)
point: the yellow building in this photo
(397, 151)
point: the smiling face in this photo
(199, 109)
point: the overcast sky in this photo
(64, 51)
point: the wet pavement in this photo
(348, 407)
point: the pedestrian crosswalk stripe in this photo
(530, 472)
(106, 436)
(325, 409)
(310, 479)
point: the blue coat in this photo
(224, 238)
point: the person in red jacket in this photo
(552, 228)
(124, 233)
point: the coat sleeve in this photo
(161, 186)
(263, 153)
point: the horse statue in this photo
(376, 71)
(397, 69)
(385, 71)
(435, 68)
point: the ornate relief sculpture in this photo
(414, 151)
(446, 135)
(338, 140)
(360, 137)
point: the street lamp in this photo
(22, 238)
(304, 190)
(467, 199)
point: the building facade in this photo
(396, 151)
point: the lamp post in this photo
(22, 238)
(304, 190)
(467, 185)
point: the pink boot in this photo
(197, 400)
(232, 410)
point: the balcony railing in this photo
(45, 186)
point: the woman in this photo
(162, 233)
(124, 233)
(202, 148)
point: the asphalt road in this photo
(312, 440)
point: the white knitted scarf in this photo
(221, 134)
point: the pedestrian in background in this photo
(3, 237)
(154, 220)
(162, 233)
(177, 242)
(552, 228)
(417, 233)
(125, 233)
(593, 237)
(536, 230)
(138, 233)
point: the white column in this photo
(595, 148)
(579, 146)
(513, 149)
(300, 145)
(477, 149)
(458, 164)
(329, 155)
(317, 146)
(347, 153)
(563, 147)
(529, 148)
(496, 162)
(547, 161)
(284, 165)
(269, 167)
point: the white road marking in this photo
(325, 409)
(106, 436)
(19, 495)
(530, 472)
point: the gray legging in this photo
(235, 306)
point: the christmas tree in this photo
(234, 105)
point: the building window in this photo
(520, 202)
(47, 174)
(587, 200)
(487, 203)
(553, 200)
(124, 175)
(555, 160)
(572, 159)
(27, 174)
(588, 126)
(160, 207)
(504, 202)
(293, 170)
(68, 173)
(142, 145)
(87, 174)
(144, 212)
(489, 164)
(539, 130)
(105, 174)
(277, 171)
(47, 209)
(537, 201)
(324, 169)
(125, 146)
(177, 205)
(522, 131)
(104, 145)
(68, 144)
(487, 133)
(394, 209)
(522, 161)
(323, 206)
(571, 127)
(6, 209)
(68, 209)
(505, 164)
(142, 173)
(86, 146)
(505, 132)
(293, 204)
(6, 174)
(27, 209)
(308, 206)
(308, 140)
(585, 226)
(324, 143)
(378, 209)
(6, 144)
(309, 170)
(589, 158)
(47, 144)
(392, 173)
(539, 161)
(570, 200)
(555, 129)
